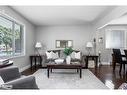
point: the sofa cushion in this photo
(48, 60)
(10, 73)
(75, 60)
(72, 55)
(62, 55)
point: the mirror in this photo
(64, 43)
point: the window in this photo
(115, 39)
(11, 37)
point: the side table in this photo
(93, 57)
(35, 58)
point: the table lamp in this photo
(38, 46)
(89, 45)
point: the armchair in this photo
(11, 76)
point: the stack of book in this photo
(4, 61)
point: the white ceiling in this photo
(120, 21)
(62, 15)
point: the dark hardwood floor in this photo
(105, 73)
(111, 79)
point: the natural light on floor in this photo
(109, 84)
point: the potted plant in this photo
(67, 52)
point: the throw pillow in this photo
(49, 55)
(77, 55)
(55, 55)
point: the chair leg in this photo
(120, 68)
(124, 67)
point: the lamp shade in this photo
(38, 45)
(89, 45)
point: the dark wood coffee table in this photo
(64, 66)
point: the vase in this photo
(68, 59)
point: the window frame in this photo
(14, 21)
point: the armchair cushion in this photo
(9, 73)
(13, 79)
(27, 82)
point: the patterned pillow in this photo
(78, 55)
(123, 86)
(49, 55)
(55, 55)
(75, 55)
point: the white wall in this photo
(106, 53)
(79, 34)
(22, 62)
(48, 34)
(114, 14)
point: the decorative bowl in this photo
(59, 61)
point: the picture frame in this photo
(64, 43)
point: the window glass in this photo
(18, 39)
(11, 37)
(6, 37)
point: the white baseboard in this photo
(24, 68)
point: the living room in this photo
(78, 25)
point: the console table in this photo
(64, 66)
(93, 57)
(35, 58)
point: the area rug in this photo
(67, 79)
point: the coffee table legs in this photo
(48, 72)
(77, 70)
(80, 73)
(51, 70)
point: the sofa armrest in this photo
(27, 82)
(10, 73)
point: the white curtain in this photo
(115, 39)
